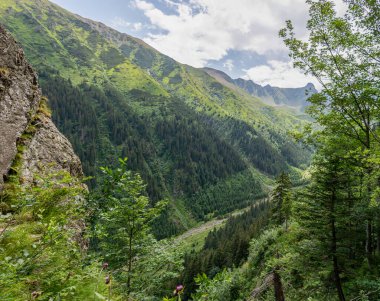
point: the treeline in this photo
(257, 149)
(269, 151)
(200, 157)
(101, 127)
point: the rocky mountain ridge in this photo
(274, 96)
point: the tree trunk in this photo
(267, 282)
(378, 236)
(129, 263)
(368, 243)
(278, 290)
(337, 280)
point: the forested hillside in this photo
(186, 134)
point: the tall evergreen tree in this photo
(281, 200)
(325, 212)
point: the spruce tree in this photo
(281, 200)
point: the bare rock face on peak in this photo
(29, 140)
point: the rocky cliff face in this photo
(29, 141)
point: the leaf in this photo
(101, 297)
(20, 261)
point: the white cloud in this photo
(340, 7)
(229, 64)
(118, 22)
(204, 30)
(137, 26)
(279, 74)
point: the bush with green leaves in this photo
(42, 249)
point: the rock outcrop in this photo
(48, 147)
(27, 134)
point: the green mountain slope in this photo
(206, 147)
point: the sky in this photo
(239, 37)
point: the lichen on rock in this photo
(48, 147)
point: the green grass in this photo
(194, 239)
(181, 213)
(187, 243)
(128, 76)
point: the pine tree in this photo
(281, 200)
(326, 212)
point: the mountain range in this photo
(295, 98)
(205, 142)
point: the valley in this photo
(128, 175)
(184, 132)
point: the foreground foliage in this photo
(122, 218)
(42, 248)
(58, 243)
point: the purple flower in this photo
(178, 290)
(105, 266)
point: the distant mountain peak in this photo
(310, 86)
(270, 95)
(291, 97)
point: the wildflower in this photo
(108, 279)
(105, 266)
(36, 294)
(178, 290)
